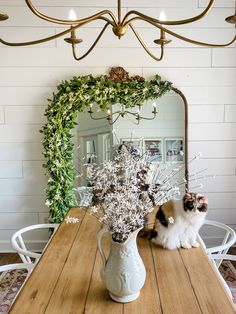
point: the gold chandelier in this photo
(112, 117)
(119, 26)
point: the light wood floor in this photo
(9, 258)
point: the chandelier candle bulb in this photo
(90, 108)
(72, 15)
(154, 108)
(162, 16)
(73, 39)
(162, 40)
(109, 115)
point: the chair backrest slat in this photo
(24, 258)
(228, 241)
(18, 242)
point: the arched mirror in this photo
(109, 115)
(163, 138)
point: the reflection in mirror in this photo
(162, 139)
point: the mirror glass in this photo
(161, 139)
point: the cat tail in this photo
(147, 233)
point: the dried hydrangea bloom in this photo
(122, 197)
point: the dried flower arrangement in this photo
(123, 194)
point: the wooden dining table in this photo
(66, 280)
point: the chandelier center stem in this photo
(119, 11)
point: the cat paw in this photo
(195, 244)
(186, 245)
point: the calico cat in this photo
(177, 222)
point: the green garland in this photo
(72, 97)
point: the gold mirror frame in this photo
(178, 92)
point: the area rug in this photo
(10, 283)
(228, 272)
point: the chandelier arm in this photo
(126, 22)
(200, 43)
(137, 123)
(145, 118)
(141, 117)
(40, 41)
(115, 119)
(69, 22)
(186, 39)
(91, 48)
(145, 47)
(112, 23)
(116, 112)
(119, 114)
(100, 118)
(132, 113)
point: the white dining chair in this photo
(219, 253)
(229, 238)
(222, 257)
(9, 267)
(14, 292)
(18, 242)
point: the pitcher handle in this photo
(99, 242)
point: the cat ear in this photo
(187, 195)
(203, 198)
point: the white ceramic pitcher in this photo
(123, 272)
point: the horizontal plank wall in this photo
(28, 76)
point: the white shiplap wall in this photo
(29, 75)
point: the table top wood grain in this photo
(67, 280)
